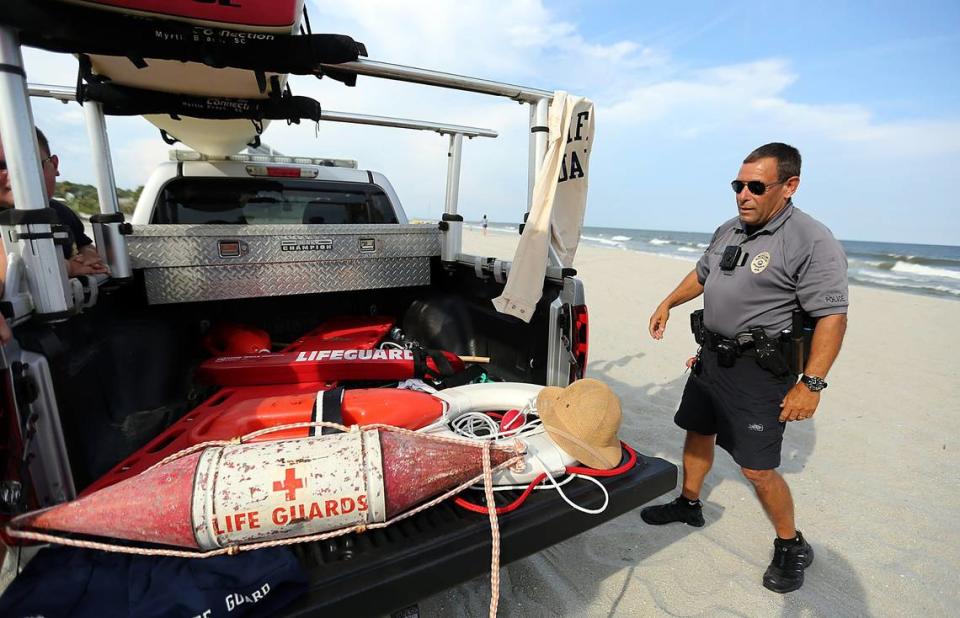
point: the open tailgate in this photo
(388, 569)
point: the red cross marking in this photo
(290, 484)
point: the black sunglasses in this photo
(3, 163)
(755, 186)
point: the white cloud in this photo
(754, 96)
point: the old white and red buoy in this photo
(246, 493)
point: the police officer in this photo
(760, 266)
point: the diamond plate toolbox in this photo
(188, 263)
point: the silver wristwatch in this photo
(813, 383)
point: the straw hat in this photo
(583, 419)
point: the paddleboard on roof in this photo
(214, 137)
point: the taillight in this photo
(579, 341)
(282, 171)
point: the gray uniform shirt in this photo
(791, 261)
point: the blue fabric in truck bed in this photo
(64, 581)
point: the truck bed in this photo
(445, 546)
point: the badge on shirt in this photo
(760, 263)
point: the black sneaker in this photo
(785, 573)
(679, 510)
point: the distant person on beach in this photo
(760, 266)
(484, 225)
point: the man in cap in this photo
(760, 266)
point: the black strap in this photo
(31, 216)
(421, 369)
(440, 360)
(125, 101)
(37, 235)
(113, 217)
(69, 28)
(167, 138)
(328, 407)
(12, 68)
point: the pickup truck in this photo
(280, 243)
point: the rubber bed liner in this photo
(385, 570)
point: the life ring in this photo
(500, 396)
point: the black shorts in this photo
(741, 405)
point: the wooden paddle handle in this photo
(475, 359)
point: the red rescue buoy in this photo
(246, 493)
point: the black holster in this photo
(768, 351)
(696, 325)
(798, 340)
(727, 353)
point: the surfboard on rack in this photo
(252, 19)
(209, 73)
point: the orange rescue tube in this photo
(238, 411)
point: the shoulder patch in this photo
(760, 263)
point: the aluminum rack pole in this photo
(414, 75)
(49, 91)
(539, 137)
(452, 224)
(539, 117)
(405, 123)
(108, 226)
(102, 161)
(46, 270)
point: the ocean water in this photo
(932, 270)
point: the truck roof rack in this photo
(67, 94)
(414, 75)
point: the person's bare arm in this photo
(86, 261)
(801, 403)
(689, 288)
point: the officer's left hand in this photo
(799, 404)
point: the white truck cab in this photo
(265, 189)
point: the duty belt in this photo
(742, 344)
(768, 352)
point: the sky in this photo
(869, 91)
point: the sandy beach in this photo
(873, 475)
